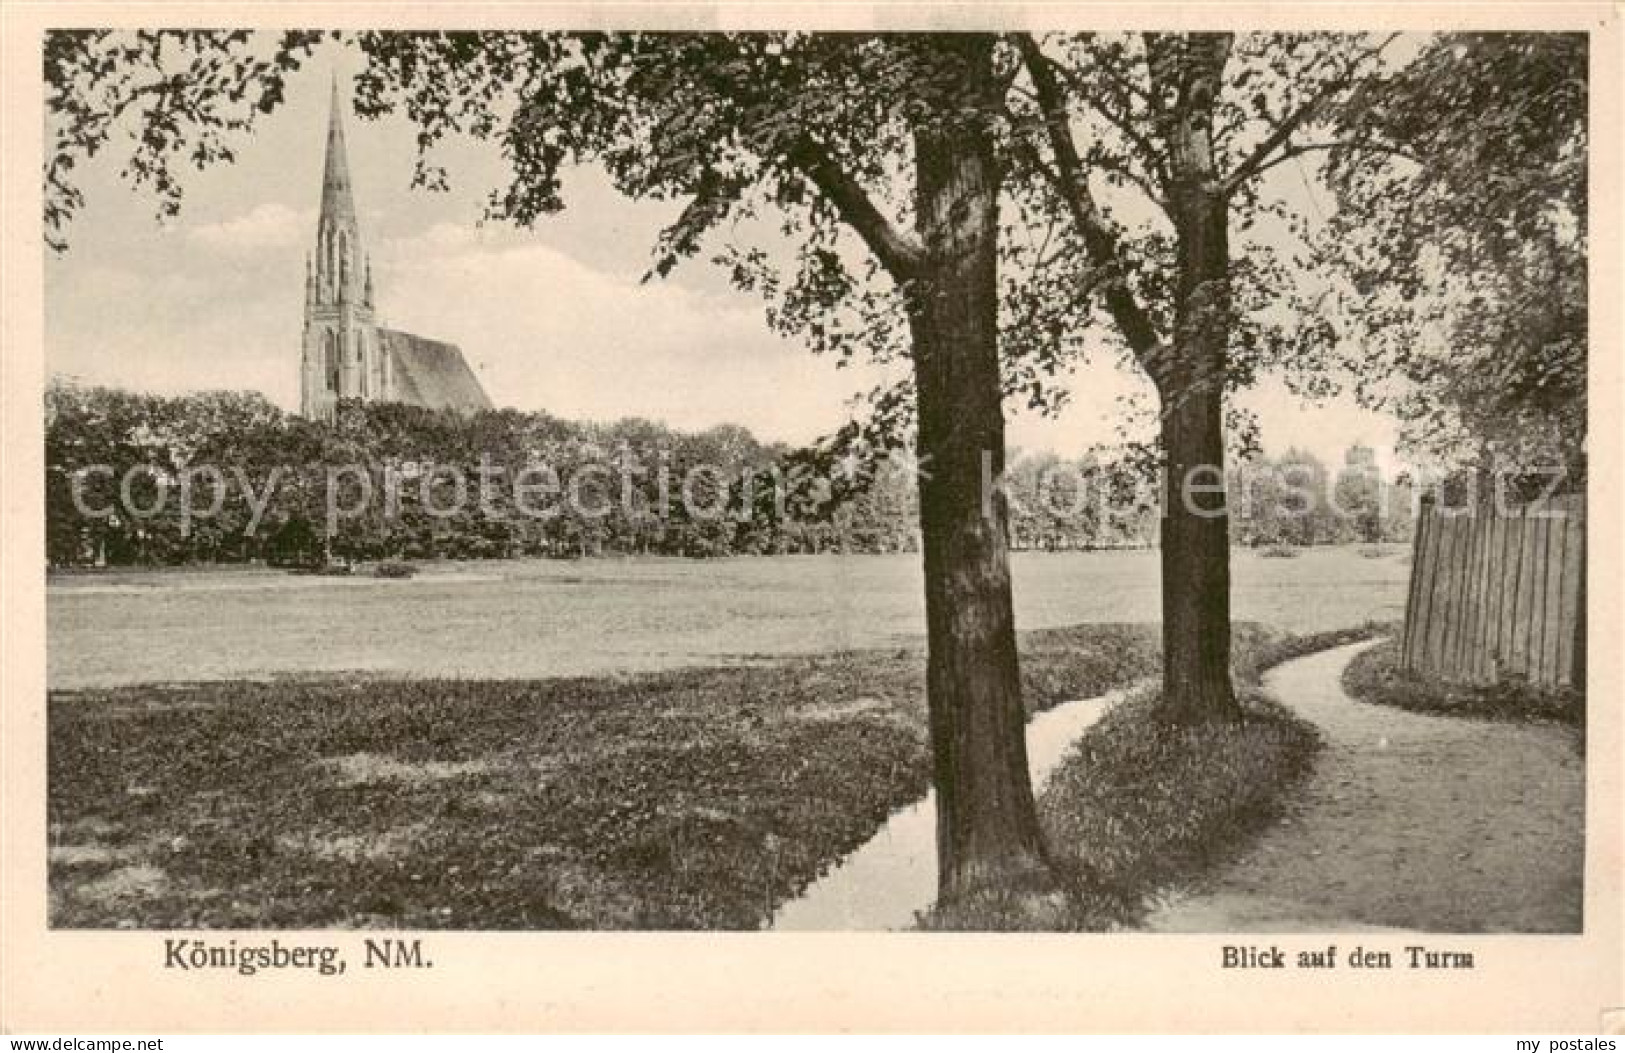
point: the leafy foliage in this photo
(1130, 102)
(260, 481)
(1295, 500)
(1461, 230)
(798, 500)
(177, 96)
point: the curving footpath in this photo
(1408, 821)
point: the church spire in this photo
(337, 204)
(338, 235)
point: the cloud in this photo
(545, 331)
(271, 225)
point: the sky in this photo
(555, 318)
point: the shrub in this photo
(394, 570)
(1281, 552)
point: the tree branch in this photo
(900, 254)
(1299, 149)
(1255, 162)
(713, 199)
(1121, 120)
(1099, 237)
(1145, 183)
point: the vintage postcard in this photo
(811, 517)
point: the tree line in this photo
(227, 477)
(224, 477)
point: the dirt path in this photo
(1409, 821)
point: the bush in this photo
(1281, 552)
(394, 570)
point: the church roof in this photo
(432, 373)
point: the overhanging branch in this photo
(1299, 149)
(1259, 159)
(1282, 134)
(897, 252)
(1100, 239)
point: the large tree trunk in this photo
(1190, 383)
(1189, 368)
(1195, 561)
(987, 826)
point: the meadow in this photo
(657, 744)
(529, 619)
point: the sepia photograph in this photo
(1104, 481)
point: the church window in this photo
(327, 254)
(330, 359)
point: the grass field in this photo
(604, 744)
(539, 618)
(693, 798)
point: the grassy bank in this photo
(697, 798)
(1137, 805)
(1375, 676)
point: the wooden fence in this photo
(1497, 596)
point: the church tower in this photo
(345, 353)
(342, 356)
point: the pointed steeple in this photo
(337, 203)
(341, 350)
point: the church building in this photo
(347, 355)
